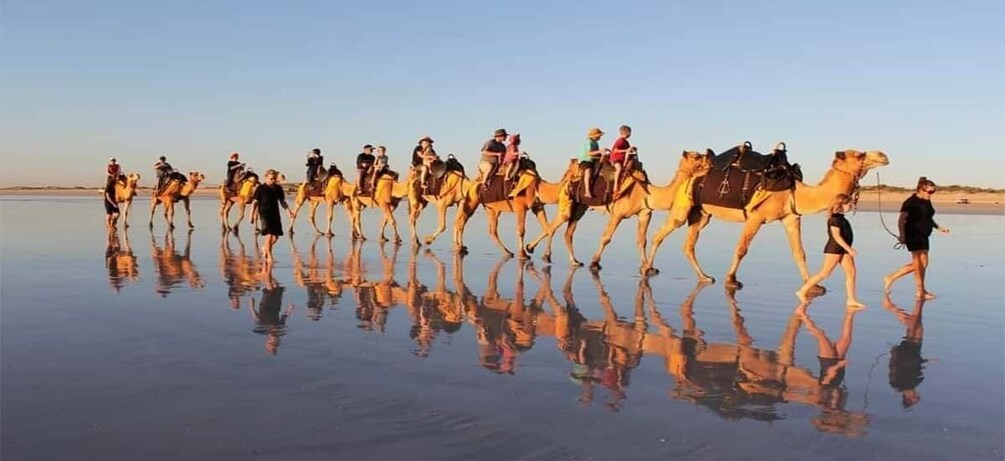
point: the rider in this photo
(512, 158)
(427, 156)
(234, 166)
(588, 159)
(364, 166)
(492, 151)
(622, 153)
(379, 166)
(315, 161)
(164, 170)
(112, 172)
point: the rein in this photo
(879, 201)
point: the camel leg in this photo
(312, 215)
(542, 219)
(549, 232)
(240, 215)
(750, 229)
(297, 203)
(224, 211)
(464, 213)
(389, 217)
(188, 213)
(521, 231)
(570, 231)
(383, 226)
(125, 214)
(413, 219)
(153, 209)
(605, 239)
(676, 219)
(441, 225)
(698, 221)
(794, 232)
(169, 214)
(331, 216)
(641, 234)
(493, 223)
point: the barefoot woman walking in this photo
(268, 198)
(916, 224)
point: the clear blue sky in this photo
(921, 80)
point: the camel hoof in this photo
(595, 266)
(706, 279)
(732, 282)
(462, 250)
(546, 258)
(382, 239)
(575, 263)
(508, 254)
(650, 271)
(523, 256)
(397, 241)
(528, 249)
(125, 226)
(429, 241)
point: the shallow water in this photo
(169, 345)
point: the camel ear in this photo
(683, 154)
(840, 155)
(710, 152)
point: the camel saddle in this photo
(438, 172)
(498, 187)
(602, 188)
(317, 187)
(369, 187)
(739, 172)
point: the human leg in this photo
(830, 262)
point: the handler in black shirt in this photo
(916, 225)
(268, 197)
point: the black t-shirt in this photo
(268, 198)
(920, 214)
(416, 158)
(838, 220)
(364, 161)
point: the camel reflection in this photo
(120, 260)
(741, 381)
(906, 364)
(173, 269)
(270, 318)
(240, 269)
(310, 275)
(504, 327)
(439, 309)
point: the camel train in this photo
(738, 185)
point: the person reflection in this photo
(120, 260)
(270, 319)
(239, 269)
(173, 269)
(906, 364)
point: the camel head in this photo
(132, 180)
(857, 162)
(694, 162)
(196, 177)
(280, 177)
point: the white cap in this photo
(111, 159)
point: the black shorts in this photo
(587, 163)
(111, 208)
(833, 248)
(272, 226)
(916, 243)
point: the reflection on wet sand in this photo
(906, 364)
(735, 379)
(172, 268)
(270, 318)
(120, 261)
(241, 270)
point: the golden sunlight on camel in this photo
(240, 197)
(125, 190)
(331, 194)
(172, 193)
(788, 206)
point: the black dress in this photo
(838, 220)
(268, 198)
(919, 224)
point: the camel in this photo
(120, 260)
(174, 192)
(242, 197)
(640, 198)
(788, 207)
(453, 191)
(386, 197)
(124, 193)
(529, 193)
(332, 194)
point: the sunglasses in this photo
(930, 191)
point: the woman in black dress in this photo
(837, 251)
(268, 197)
(916, 225)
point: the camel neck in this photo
(814, 199)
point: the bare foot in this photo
(925, 295)
(854, 304)
(887, 284)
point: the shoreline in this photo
(988, 203)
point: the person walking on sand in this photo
(268, 197)
(837, 251)
(111, 207)
(916, 224)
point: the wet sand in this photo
(155, 344)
